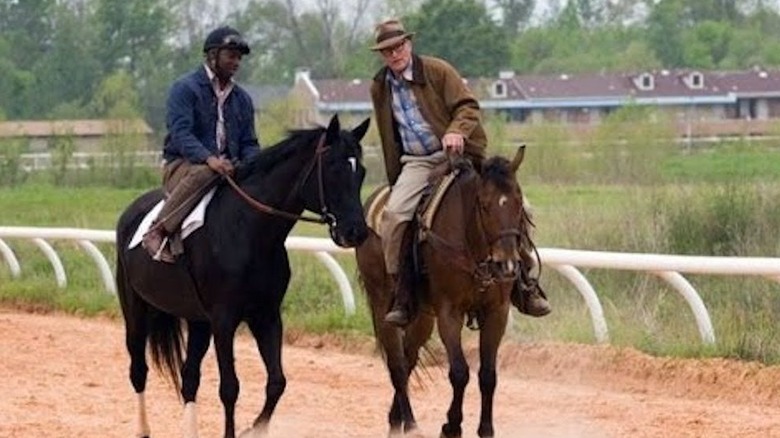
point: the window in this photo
(695, 80)
(644, 81)
(499, 89)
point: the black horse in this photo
(235, 268)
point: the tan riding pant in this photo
(185, 185)
(402, 203)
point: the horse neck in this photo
(464, 209)
(281, 186)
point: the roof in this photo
(588, 89)
(78, 128)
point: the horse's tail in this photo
(165, 345)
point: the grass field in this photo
(705, 201)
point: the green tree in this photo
(462, 32)
(666, 26)
(515, 15)
(116, 98)
(130, 33)
(27, 26)
(288, 39)
(70, 58)
(706, 44)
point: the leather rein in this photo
(464, 259)
(325, 216)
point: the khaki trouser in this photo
(402, 203)
(185, 184)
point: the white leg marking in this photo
(255, 432)
(142, 426)
(190, 420)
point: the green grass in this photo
(733, 164)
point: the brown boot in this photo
(529, 298)
(155, 241)
(400, 314)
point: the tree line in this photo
(117, 58)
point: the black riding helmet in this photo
(226, 37)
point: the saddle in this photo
(440, 181)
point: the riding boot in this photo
(403, 310)
(400, 314)
(529, 298)
(156, 243)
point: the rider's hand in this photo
(222, 166)
(452, 143)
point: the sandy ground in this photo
(62, 376)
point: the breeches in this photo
(402, 203)
(185, 184)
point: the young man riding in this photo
(424, 111)
(210, 121)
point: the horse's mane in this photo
(272, 155)
(497, 171)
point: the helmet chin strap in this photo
(223, 75)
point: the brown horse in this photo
(472, 253)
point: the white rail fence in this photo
(566, 262)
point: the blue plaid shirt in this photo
(417, 136)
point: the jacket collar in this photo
(202, 76)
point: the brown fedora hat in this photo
(389, 33)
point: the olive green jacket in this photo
(446, 104)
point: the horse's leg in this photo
(391, 339)
(416, 336)
(490, 334)
(268, 336)
(198, 336)
(450, 327)
(224, 328)
(136, 333)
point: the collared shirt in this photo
(417, 136)
(222, 95)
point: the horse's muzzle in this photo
(508, 269)
(348, 234)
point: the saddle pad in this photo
(192, 222)
(374, 213)
(432, 206)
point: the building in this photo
(88, 136)
(702, 103)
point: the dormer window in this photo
(499, 89)
(644, 81)
(695, 80)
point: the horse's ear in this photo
(518, 158)
(333, 127)
(361, 129)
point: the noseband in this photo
(325, 216)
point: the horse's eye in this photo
(353, 163)
(502, 200)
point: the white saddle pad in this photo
(192, 222)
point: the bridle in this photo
(325, 216)
(481, 270)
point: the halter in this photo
(325, 216)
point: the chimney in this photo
(302, 74)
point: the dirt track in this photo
(61, 376)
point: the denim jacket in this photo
(192, 121)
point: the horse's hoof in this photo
(450, 432)
(255, 432)
(485, 432)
